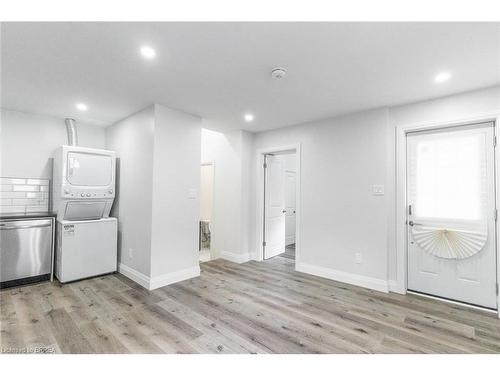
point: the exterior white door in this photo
(451, 214)
(290, 186)
(274, 207)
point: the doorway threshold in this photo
(454, 302)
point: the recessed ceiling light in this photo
(442, 77)
(81, 106)
(148, 52)
(278, 73)
(248, 117)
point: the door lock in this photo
(411, 223)
(284, 211)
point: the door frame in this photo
(401, 283)
(259, 198)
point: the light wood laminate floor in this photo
(255, 307)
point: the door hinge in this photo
(496, 214)
(264, 243)
(497, 289)
(495, 141)
(264, 165)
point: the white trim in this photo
(158, 281)
(235, 257)
(400, 284)
(395, 287)
(134, 275)
(259, 250)
(174, 277)
(345, 277)
(463, 304)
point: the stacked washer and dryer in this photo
(83, 193)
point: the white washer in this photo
(85, 248)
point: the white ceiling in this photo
(219, 71)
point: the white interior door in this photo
(290, 182)
(451, 214)
(274, 209)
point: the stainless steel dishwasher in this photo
(26, 250)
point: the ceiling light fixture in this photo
(278, 73)
(442, 77)
(81, 106)
(248, 117)
(148, 52)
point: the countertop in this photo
(27, 215)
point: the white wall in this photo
(341, 159)
(247, 153)
(28, 141)
(232, 214)
(133, 140)
(206, 191)
(176, 182)
(157, 204)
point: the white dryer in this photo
(83, 193)
(84, 183)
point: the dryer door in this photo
(89, 169)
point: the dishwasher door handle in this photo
(6, 226)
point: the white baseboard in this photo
(234, 257)
(158, 281)
(134, 275)
(344, 277)
(174, 277)
(395, 287)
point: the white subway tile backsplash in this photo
(34, 181)
(12, 209)
(20, 195)
(26, 187)
(27, 202)
(15, 194)
(12, 181)
(5, 202)
(35, 195)
(36, 208)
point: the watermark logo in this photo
(32, 350)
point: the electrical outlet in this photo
(358, 258)
(378, 189)
(130, 253)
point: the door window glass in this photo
(447, 175)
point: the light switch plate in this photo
(378, 189)
(192, 194)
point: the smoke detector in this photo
(278, 73)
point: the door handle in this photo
(411, 223)
(284, 211)
(5, 226)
